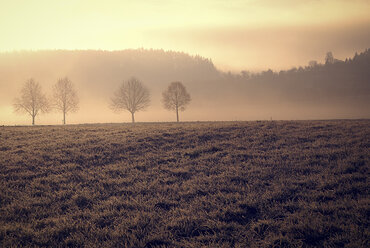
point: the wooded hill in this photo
(337, 87)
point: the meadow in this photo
(206, 184)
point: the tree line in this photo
(334, 72)
(132, 96)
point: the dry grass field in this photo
(222, 184)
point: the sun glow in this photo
(210, 28)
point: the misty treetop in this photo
(334, 71)
(95, 65)
(341, 83)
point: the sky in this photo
(235, 34)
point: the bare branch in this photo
(176, 97)
(65, 97)
(32, 100)
(131, 96)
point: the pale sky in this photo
(235, 34)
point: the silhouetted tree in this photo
(32, 100)
(312, 63)
(329, 58)
(176, 98)
(245, 74)
(131, 96)
(65, 97)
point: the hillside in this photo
(336, 81)
(101, 70)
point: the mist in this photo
(323, 91)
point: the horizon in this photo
(221, 69)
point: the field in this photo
(221, 184)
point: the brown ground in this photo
(223, 184)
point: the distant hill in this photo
(339, 80)
(340, 89)
(98, 70)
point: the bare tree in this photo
(176, 98)
(32, 100)
(132, 96)
(65, 97)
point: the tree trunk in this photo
(33, 120)
(133, 117)
(64, 118)
(177, 114)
